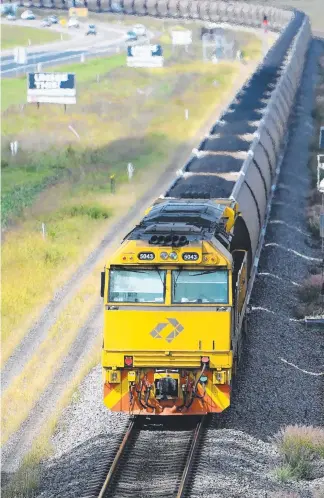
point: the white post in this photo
(39, 67)
(98, 78)
(187, 113)
(43, 230)
(130, 171)
(29, 42)
(12, 148)
(15, 144)
(82, 59)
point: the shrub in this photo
(313, 219)
(95, 212)
(299, 446)
(310, 289)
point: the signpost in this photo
(20, 55)
(183, 37)
(145, 56)
(321, 138)
(51, 88)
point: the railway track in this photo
(154, 460)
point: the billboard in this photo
(183, 37)
(51, 88)
(145, 56)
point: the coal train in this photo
(176, 291)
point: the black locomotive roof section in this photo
(213, 164)
(198, 220)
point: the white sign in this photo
(181, 37)
(20, 55)
(145, 56)
(130, 170)
(52, 88)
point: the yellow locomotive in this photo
(174, 297)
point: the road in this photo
(109, 40)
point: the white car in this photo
(73, 23)
(28, 15)
(139, 30)
(11, 17)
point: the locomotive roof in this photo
(197, 220)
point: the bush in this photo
(310, 289)
(299, 446)
(95, 212)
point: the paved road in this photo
(108, 39)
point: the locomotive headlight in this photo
(173, 255)
(164, 255)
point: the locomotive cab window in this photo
(201, 287)
(137, 286)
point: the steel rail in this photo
(117, 458)
(190, 459)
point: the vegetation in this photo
(299, 447)
(21, 36)
(26, 480)
(67, 185)
(310, 291)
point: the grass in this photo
(299, 446)
(19, 398)
(27, 478)
(13, 90)
(76, 209)
(20, 36)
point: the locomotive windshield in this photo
(137, 286)
(200, 287)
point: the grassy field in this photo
(21, 36)
(130, 115)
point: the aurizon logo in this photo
(176, 329)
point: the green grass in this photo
(19, 36)
(13, 91)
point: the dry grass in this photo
(26, 480)
(299, 447)
(19, 398)
(70, 229)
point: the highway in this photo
(109, 40)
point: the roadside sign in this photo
(321, 138)
(63, 22)
(51, 88)
(78, 12)
(20, 55)
(145, 56)
(183, 37)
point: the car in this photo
(53, 19)
(92, 30)
(28, 15)
(46, 23)
(73, 23)
(131, 35)
(139, 30)
(11, 17)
